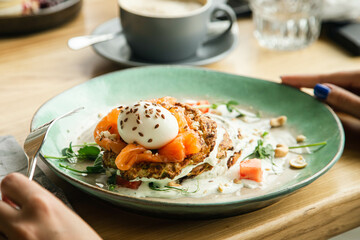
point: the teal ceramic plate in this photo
(305, 115)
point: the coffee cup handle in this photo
(230, 15)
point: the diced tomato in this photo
(251, 169)
(124, 183)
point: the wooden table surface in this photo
(36, 67)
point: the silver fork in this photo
(35, 140)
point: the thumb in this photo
(339, 98)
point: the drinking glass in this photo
(286, 24)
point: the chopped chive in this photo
(309, 145)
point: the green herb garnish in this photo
(155, 187)
(309, 145)
(112, 187)
(261, 151)
(85, 152)
(112, 179)
(264, 134)
(71, 169)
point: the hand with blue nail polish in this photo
(340, 90)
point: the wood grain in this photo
(34, 68)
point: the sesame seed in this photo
(162, 116)
(146, 111)
(156, 116)
(131, 110)
(141, 135)
(145, 106)
(136, 105)
(138, 121)
(158, 110)
(134, 128)
(121, 122)
(151, 111)
(122, 127)
(156, 126)
(148, 116)
(127, 112)
(127, 108)
(125, 119)
(150, 140)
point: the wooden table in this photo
(37, 67)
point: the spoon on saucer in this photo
(80, 42)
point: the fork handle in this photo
(31, 167)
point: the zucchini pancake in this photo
(158, 138)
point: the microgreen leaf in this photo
(112, 179)
(155, 187)
(264, 134)
(231, 105)
(112, 187)
(261, 151)
(88, 152)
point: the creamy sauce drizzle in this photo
(208, 184)
(220, 180)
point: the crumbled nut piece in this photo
(108, 135)
(147, 152)
(281, 150)
(278, 122)
(251, 140)
(220, 188)
(226, 185)
(100, 115)
(173, 184)
(239, 135)
(300, 138)
(216, 112)
(237, 181)
(298, 162)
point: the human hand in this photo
(28, 211)
(340, 90)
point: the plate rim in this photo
(265, 197)
(48, 11)
(233, 32)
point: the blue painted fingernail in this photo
(321, 91)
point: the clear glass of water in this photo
(286, 24)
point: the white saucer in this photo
(118, 51)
